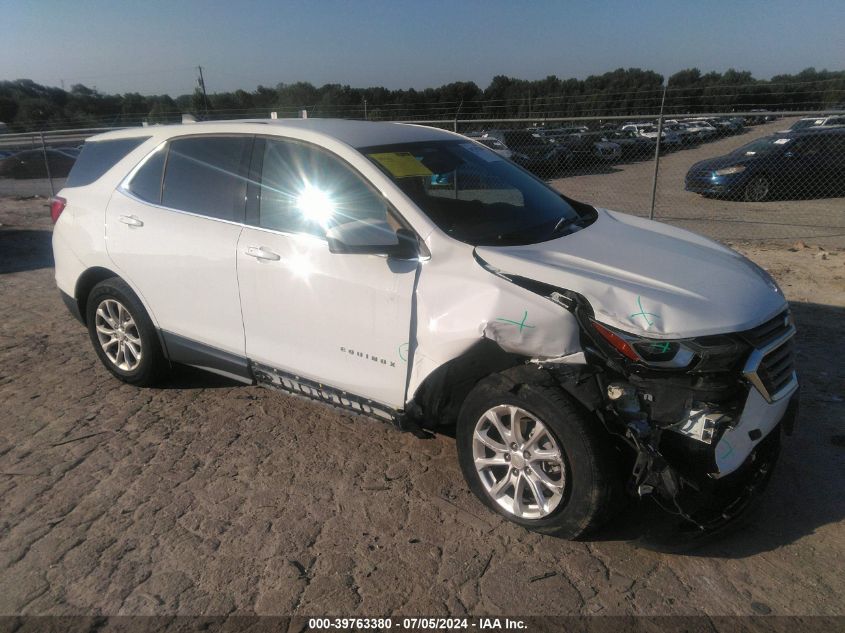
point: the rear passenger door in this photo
(172, 231)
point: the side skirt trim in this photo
(299, 386)
(189, 352)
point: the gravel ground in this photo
(204, 497)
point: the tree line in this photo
(26, 105)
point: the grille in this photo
(777, 367)
(771, 370)
(769, 331)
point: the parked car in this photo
(631, 145)
(722, 125)
(30, 164)
(683, 131)
(530, 151)
(579, 352)
(782, 165)
(760, 116)
(702, 129)
(814, 122)
(496, 145)
(729, 125)
(668, 138)
(556, 132)
(592, 147)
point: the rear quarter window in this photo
(97, 157)
(146, 183)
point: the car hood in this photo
(719, 162)
(648, 278)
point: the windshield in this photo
(764, 145)
(473, 194)
(805, 123)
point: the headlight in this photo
(649, 351)
(727, 171)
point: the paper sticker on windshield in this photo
(782, 141)
(401, 164)
(484, 154)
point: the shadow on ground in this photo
(25, 249)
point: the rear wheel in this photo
(534, 457)
(123, 334)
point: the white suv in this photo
(415, 275)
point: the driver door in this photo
(342, 320)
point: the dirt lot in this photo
(207, 497)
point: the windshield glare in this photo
(473, 194)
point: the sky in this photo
(154, 46)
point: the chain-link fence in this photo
(732, 176)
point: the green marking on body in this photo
(520, 324)
(643, 313)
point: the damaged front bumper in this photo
(706, 443)
(759, 418)
(709, 469)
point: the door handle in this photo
(131, 220)
(259, 252)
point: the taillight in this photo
(619, 343)
(57, 205)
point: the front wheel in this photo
(758, 189)
(534, 457)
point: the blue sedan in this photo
(783, 165)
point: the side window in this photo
(207, 176)
(307, 190)
(146, 183)
(97, 157)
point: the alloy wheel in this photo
(118, 335)
(757, 190)
(519, 462)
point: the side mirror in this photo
(372, 237)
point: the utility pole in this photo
(657, 151)
(457, 112)
(201, 83)
(365, 109)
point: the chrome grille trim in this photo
(786, 372)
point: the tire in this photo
(590, 483)
(758, 189)
(123, 335)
